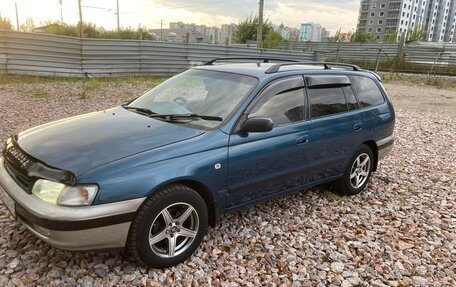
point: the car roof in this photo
(258, 70)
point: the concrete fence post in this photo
(378, 60)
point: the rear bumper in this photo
(385, 146)
(71, 228)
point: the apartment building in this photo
(385, 17)
(310, 32)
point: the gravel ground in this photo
(400, 232)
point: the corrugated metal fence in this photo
(426, 52)
(47, 55)
(347, 51)
(418, 52)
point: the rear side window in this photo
(367, 91)
(327, 101)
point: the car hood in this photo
(84, 142)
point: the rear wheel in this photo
(358, 172)
(169, 227)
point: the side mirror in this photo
(257, 125)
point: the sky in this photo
(332, 14)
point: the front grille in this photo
(24, 181)
(16, 163)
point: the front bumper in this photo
(71, 228)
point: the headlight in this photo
(60, 194)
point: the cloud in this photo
(332, 14)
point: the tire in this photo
(357, 173)
(157, 238)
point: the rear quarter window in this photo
(367, 91)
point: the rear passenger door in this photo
(267, 163)
(337, 124)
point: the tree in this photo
(362, 37)
(28, 25)
(391, 38)
(247, 30)
(416, 35)
(272, 40)
(92, 31)
(336, 38)
(5, 24)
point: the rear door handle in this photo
(357, 127)
(302, 140)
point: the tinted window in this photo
(327, 101)
(367, 91)
(351, 99)
(283, 108)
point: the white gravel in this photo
(400, 232)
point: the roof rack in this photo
(326, 65)
(264, 60)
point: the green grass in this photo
(40, 93)
(435, 81)
(393, 65)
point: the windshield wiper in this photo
(141, 110)
(172, 117)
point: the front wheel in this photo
(169, 227)
(358, 172)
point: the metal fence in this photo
(417, 52)
(347, 51)
(48, 55)
(427, 52)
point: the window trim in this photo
(356, 98)
(326, 81)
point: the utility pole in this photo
(17, 16)
(260, 26)
(81, 29)
(118, 16)
(161, 30)
(61, 11)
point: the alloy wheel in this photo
(173, 230)
(360, 169)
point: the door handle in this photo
(357, 127)
(302, 140)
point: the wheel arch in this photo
(212, 207)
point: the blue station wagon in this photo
(152, 175)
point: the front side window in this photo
(282, 101)
(367, 91)
(327, 101)
(199, 92)
(283, 108)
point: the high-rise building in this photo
(437, 18)
(324, 34)
(310, 32)
(227, 32)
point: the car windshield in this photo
(196, 93)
